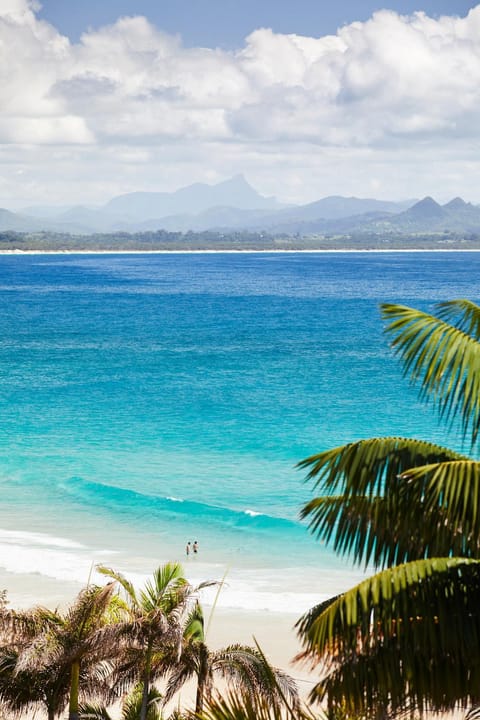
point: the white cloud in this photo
(377, 101)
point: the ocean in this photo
(151, 400)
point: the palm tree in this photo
(407, 638)
(49, 657)
(154, 625)
(244, 666)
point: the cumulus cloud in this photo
(394, 83)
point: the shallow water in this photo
(148, 400)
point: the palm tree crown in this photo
(154, 624)
(51, 657)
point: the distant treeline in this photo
(234, 240)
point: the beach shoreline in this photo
(247, 251)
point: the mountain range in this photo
(235, 205)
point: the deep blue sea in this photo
(149, 400)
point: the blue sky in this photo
(226, 23)
(305, 99)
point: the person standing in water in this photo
(187, 549)
(195, 547)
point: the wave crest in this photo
(117, 499)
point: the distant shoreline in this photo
(247, 251)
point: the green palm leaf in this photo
(165, 589)
(121, 580)
(152, 632)
(450, 492)
(369, 467)
(443, 358)
(464, 314)
(375, 494)
(408, 638)
(407, 635)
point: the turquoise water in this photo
(147, 400)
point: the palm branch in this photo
(90, 711)
(248, 670)
(443, 357)
(409, 634)
(370, 488)
(280, 702)
(464, 314)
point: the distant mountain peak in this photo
(237, 183)
(427, 201)
(426, 208)
(456, 204)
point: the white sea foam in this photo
(252, 513)
(27, 553)
(291, 590)
(34, 538)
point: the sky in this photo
(305, 99)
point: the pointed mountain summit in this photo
(425, 209)
(456, 204)
(462, 214)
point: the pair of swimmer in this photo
(191, 547)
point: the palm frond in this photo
(368, 467)
(249, 671)
(166, 589)
(27, 623)
(366, 614)
(194, 626)
(89, 609)
(464, 314)
(371, 530)
(121, 580)
(440, 500)
(180, 674)
(375, 685)
(443, 359)
(375, 493)
(133, 702)
(410, 633)
(449, 495)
